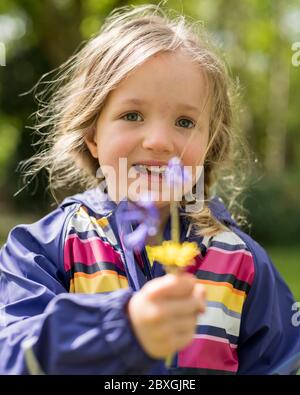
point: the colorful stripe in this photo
(207, 353)
(224, 278)
(104, 281)
(89, 251)
(229, 297)
(239, 264)
(82, 222)
(228, 247)
(91, 269)
(90, 259)
(215, 338)
(224, 308)
(229, 238)
(217, 332)
(216, 317)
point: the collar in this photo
(100, 203)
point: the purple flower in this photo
(176, 175)
(145, 214)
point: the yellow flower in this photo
(171, 253)
(174, 256)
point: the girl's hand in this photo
(163, 313)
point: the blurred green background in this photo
(256, 37)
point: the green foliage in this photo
(9, 134)
(274, 210)
(286, 260)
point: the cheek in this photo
(194, 153)
(194, 147)
(194, 158)
(112, 146)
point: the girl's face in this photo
(148, 119)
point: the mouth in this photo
(153, 170)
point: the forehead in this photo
(165, 77)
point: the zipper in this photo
(147, 265)
(63, 238)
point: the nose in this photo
(158, 138)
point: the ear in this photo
(91, 142)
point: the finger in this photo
(200, 296)
(183, 307)
(185, 325)
(183, 339)
(170, 285)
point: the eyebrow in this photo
(137, 101)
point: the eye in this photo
(185, 123)
(132, 117)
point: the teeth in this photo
(151, 169)
(156, 169)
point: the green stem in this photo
(175, 238)
(160, 238)
(174, 222)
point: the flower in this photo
(145, 214)
(174, 256)
(176, 174)
(170, 253)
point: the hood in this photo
(99, 202)
(94, 199)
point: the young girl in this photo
(146, 89)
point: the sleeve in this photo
(45, 329)
(268, 335)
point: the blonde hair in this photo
(129, 36)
